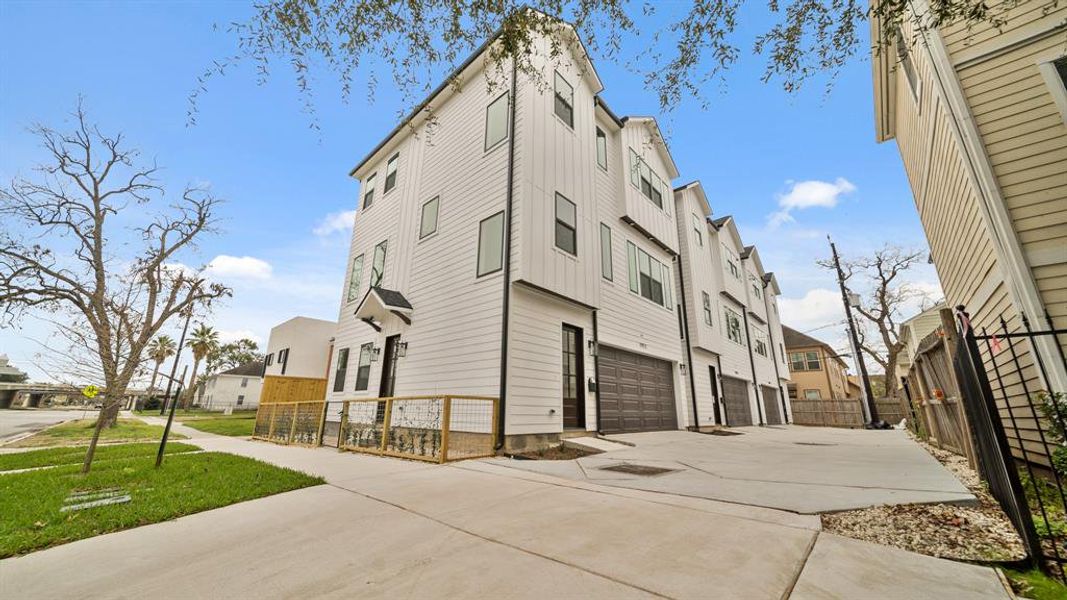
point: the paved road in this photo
(392, 528)
(14, 422)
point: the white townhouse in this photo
(299, 347)
(237, 388)
(521, 244)
(734, 344)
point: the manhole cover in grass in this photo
(637, 469)
(721, 432)
(813, 444)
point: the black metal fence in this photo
(1018, 427)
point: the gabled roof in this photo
(661, 142)
(698, 189)
(250, 368)
(772, 282)
(730, 225)
(752, 254)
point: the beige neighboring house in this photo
(912, 332)
(816, 372)
(299, 347)
(237, 388)
(980, 118)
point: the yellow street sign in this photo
(90, 391)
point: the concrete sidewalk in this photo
(386, 527)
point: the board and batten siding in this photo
(639, 135)
(702, 272)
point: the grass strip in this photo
(80, 432)
(74, 455)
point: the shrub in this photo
(152, 403)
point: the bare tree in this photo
(887, 294)
(59, 252)
(697, 43)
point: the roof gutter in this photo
(501, 413)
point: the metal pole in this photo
(174, 368)
(170, 419)
(871, 406)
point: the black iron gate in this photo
(1033, 416)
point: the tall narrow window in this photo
(605, 252)
(377, 272)
(340, 370)
(355, 277)
(428, 222)
(657, 190)
(698, 224)
(390, 172)
(707, 309)
(656, 271)
(645, 268)
(757, 289)
(564, 103)
(635, 166)
(668, 302)
(909, 67)
(368, 191)
(363, 367)
(646, 180)
(496, 122)
(566, 225)
(491, 244)
(732, 326)
(631, 264)
(601, 149)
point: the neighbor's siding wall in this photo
(308, 341)
(225, 389)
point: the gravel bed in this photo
(971, 533)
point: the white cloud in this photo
(232, 335)
(818, 307)
(239, 267)
(334, 222)
(808, 194)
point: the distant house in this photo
(237, 388)
(816, 371)
(912, 332)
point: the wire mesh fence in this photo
(289, 422)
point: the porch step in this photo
(575, 433)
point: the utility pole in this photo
(872, 409)
(174, 368)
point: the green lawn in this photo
(74, 455)
(186, 484)
(1035, 584)
(80, 432)
(237, 426)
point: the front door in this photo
(573, 390)
(715, 394)
(388, 384)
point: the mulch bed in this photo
(980, 533)
(554, 453)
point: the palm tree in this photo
(203, 341)
(159, 350)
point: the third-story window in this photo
(340, 370)
(760, 343)
(428, 222)
(707, 309)
(368, 191)
(363, 368)
(491, 244)
(564, 103)
(698, 224)
(355, 277)
(648, 277)
(757, 290)
(377, 272)
(601, 149)
(732, 326)
(496, 122)
(566, 225)
(390, 172)
(605, 252)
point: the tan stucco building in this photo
(816, 372)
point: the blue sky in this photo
(136, 63)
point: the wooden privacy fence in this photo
(430, 428)
(292, 389)
(847, 412)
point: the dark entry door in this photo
(388, 384)
(573, 392)
(735, 394)
(715, 394)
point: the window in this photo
(667, 302)
(646, 180)
(732, 326)
(363, 367)
(377, 272)
(908, 66)
(812, 395)
(240, 400)
(605, 252)
(796, 361)
(566, 225)
(757, 290)
(760, 343)
(270, 359)
(707, 309)
(813, 361)
(244, 382)
(340, 370)
(792, 391)
(564, 100)
(635, 163)
(1061, 69)
(353, 280)
(283, 359)
(428, 223)
(657, 190)
(390, 172)
(781, 352)
(368, 194)
(601, 149)
(491, 244)
(698, 224)
(496, 122)
(731, 262)
(631, 263)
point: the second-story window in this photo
(698, 224)
(707, 309)
(355, 277)
(564, 100)
(601, 149)
(377, 272)
(648, 277)
(428, 222)
(390, 172)
(496, 122)
(340, 370)
(760, 343)
(732, 326)
(566, 225)
(605, 252)
(368, 193)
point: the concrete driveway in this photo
(392, 528)
(800, 469)
(17, 422)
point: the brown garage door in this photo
(636, 392)
(772, 409)
(735, 395)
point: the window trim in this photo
(355, 278)
(1056, 84)
(369, 182)
(608, 258)
(602, 142)
(436, 217)
(478, 255)
(556, 96)
(558, 222)
(394, 159)
(486, 146)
